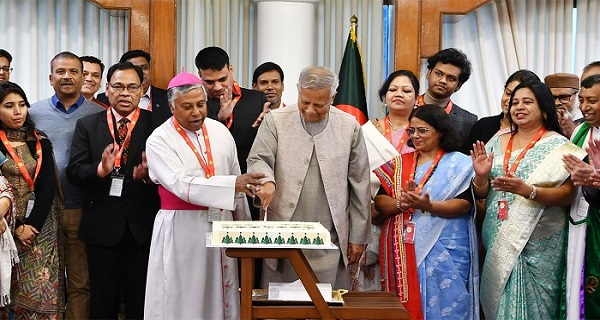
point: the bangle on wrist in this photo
(22, 230)
(487, 183)
(533, 193)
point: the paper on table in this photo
(295, 291)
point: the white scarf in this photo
(8, 258)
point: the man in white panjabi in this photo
(315, 156)
(193, 159)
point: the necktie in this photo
(121, 134)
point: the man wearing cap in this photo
(564, 87)
(194, 161)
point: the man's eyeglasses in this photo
(564, 98)
(6, 69)
(120, 88)
(420, 130)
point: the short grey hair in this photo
(176, 91)
(316, 77)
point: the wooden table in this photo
(364, 305)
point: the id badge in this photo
(30, 204)
(409, 232)
(502, 209)
(116, 186)
(582, 209)
(214, 214)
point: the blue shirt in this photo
(61, 107)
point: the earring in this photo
(384, 108)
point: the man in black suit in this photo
(447, 71)
(152, 98)
(108, 162)
(240, 109)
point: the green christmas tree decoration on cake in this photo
(292, 240)
(305, 240)
(240, 239)
(266, 240)
(279, 240)
(318, 240)
(253, 239)
(227, 239)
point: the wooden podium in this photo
(361, 305)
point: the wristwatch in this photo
(533, 193)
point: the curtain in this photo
(507, 35)
(231, 25)
(587, 39)
(34, 31)
(332, 33)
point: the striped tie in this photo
(122, 133)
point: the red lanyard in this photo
(448, 108)
(130, 126)
(149, 103)
(20, 164)
(388, 134)
(508, 151)
(209, 169)
(237, 92)
(429, 171)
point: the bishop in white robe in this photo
(194, 161)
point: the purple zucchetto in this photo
(184, 79)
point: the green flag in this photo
(351, 92)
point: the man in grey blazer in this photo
(447, 71)
(317, 169)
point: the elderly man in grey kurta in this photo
(317, 169)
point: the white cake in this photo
(270, 233)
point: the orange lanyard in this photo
(388, 134)
(448, 108)
(237, 91)
(209, 169)
(130, 126)
(429, 171)
(508, 151)
(20, 164)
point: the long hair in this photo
(545, 101)
(7, 88)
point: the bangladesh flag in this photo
(351, 92)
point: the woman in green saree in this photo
(522, 175)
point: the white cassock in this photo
(187, 280)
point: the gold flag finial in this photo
(353, 26)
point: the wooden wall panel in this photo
(153, 28)
(426, 16)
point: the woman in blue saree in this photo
(527, 188)
(427, 246)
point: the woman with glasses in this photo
(522, 175)
(38, 280)
(427, 248)
(386, 138)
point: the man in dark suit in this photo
(240, 109)
(108, 162)
(449, 69)
(152, 98)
